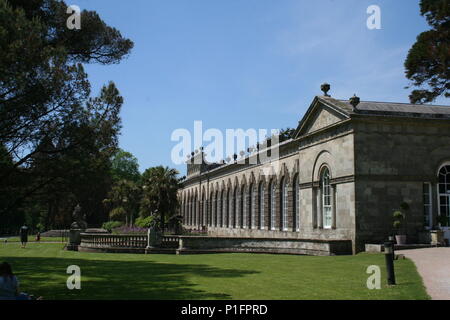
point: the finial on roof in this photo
(325, 88)
(354, 101)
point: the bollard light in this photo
(388, 251)
(391, 240)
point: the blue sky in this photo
(247, 63)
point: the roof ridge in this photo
(405, 103)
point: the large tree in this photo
(57, 140)
(428, 62)
(123, 201)
(125, 166)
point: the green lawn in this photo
(41, 268)
(32, 239)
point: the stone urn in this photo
(400, 239)
(437, 237)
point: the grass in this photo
(41, 268)
(31, 239)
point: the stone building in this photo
(350, 165)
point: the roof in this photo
(345, 110)
(391, 108)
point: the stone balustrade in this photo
(198, 244)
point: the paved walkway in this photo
(433, 265)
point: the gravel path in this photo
(433, 265)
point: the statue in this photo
(76, 228)
(79, 219)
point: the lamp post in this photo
(391, 240)
(388, 251)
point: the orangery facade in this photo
(349, 165)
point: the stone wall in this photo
(394, 157)
(300, 164)
(189, 245)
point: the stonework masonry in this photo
(377, 156)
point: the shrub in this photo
(146, 222)
(40, 227)
(398, 215)
(129, 230)
(112, 225)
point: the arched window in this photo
(296, 204)
(221, 205)
(194, 212)
(190, 210)
(186, 210)
(203, 214)
(283, 205)
(216, 205)
(242, 207)
(261, 205)
(272, 207)
(210, 209)
(223, 209)
(444, 195)
(237, 221)
(229, 208)
(245, 212)
(325, 188)
(234, 207)
(253, 201)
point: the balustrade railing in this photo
(124, 241)
(114, 240)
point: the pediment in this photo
(319, 116)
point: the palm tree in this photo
(123, 201)
(160, 188)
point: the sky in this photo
(247, 63)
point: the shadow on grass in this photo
(117, 280)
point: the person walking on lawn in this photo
(24, 235)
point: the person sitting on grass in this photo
(9, 285)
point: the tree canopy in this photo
(428, 62)
(56, 138)
(125, 166)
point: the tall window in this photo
(195, 211)
(444, 194)
(427, 205)
(252, 206)
(230, 208)
(220, 213)
(216, 203)
(284, 205)
(261, 205)
(296, 203)
(272, 206)
(234, 207)
(238, 208)
(224, 208)
(242, 208)
(202, 218)
(189, 209)
(245, 211)
(211, 208)
(325, 189)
